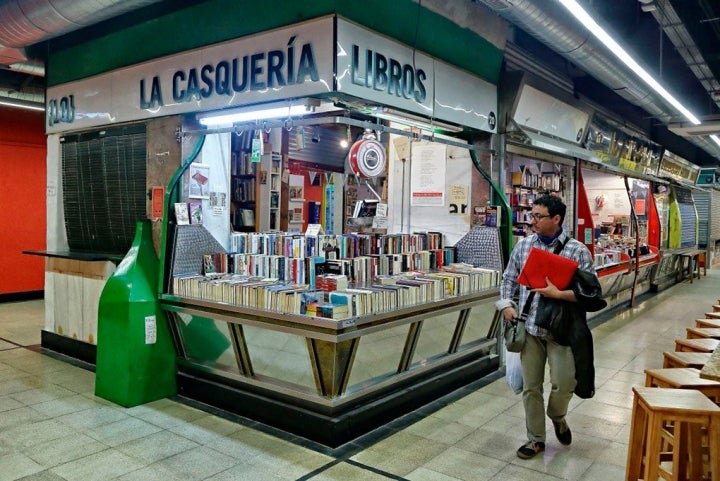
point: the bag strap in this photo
(528, 302)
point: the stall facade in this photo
(346, 373)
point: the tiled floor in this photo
(53, 428)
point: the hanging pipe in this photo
(636, 251)
(498, 198)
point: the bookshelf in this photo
(296, 202)
(270, 192)
(242, 188)
(530, 181)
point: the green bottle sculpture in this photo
(135, 354)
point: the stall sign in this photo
(287, 63)
(676, 167)
(371, 66)
(615, 147)
(544, 113)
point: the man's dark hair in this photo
(554, 205)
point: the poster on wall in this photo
(458, 199)
(427, 181)
(199, 175)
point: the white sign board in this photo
(292, 62)
(371, 66)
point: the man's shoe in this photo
(530, 449)
(563, 433)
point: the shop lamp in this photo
(22, 104)
(588, 22)
(250, 115)
(413, 121)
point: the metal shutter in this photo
(702, 206)
(104, 188)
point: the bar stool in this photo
(712, 315)
(703, 333)
(683, 378)
(685, 359)
(707, 322)
(716, 307)
(696, 345)
(689, 411)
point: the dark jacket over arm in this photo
(567, 322)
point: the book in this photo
(541, 264)
(195, 210)
(182, 213)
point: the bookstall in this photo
(542, 139)
(256, 264)
(617, 185)
(682, 219)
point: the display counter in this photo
(668, 271)
(330, 380)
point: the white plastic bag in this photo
(513, 371)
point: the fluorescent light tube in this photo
(250, 115)
(716, 139)
(583, 17)
(22, 104)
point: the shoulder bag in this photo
(514, 332)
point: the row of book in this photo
(359, 270)
(242, 189)
(333, 246)
(384, 294)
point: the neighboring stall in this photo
(626, 225)
(680, 234)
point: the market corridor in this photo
(53, 428)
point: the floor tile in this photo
(53, 427)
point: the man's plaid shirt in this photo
(574, 249)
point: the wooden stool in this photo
(716, 308)
(707, 322)
(682, 378)
(689, 411)
(696, 345)
(703, 333)
(685, 359)
(712, 315)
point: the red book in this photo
(541, 264)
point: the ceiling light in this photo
(716, 139)
(410, 120)
(250, 115)
(22, 104)
(583, 17)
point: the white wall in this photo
(407, 218)
(216, 213)
(611, 188)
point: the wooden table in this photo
(711, 369)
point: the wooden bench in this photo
(696, 345)
(707, 323)
(691, 260)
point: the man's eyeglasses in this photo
(539, 217)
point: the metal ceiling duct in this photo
(25, 22)
(575, 45)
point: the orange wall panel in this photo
(23, 155)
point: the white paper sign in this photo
(150, 330)
(380, 222)
(314, 229)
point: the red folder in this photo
(541, 264)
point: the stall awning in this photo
(528, 138)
